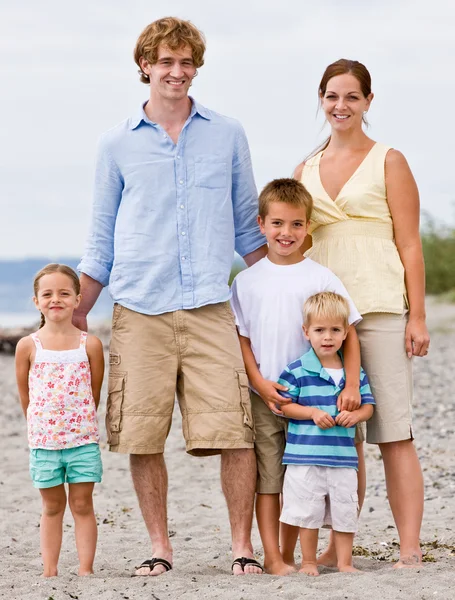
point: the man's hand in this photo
(322, 419)
(80, 321)
(347, 418)
(267, 390)
(349, 398)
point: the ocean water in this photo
(9, 320)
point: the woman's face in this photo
(344, 103)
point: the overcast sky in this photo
(67, 75)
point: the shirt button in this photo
(183, 233)
(178, 155)
(181, 181)
(183, 257)
(182, 206)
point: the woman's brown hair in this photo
(56, 268)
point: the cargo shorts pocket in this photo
(115, 397)
(245, 401)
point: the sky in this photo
(68, 74)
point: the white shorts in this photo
(316, 496)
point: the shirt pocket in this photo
(210, 172)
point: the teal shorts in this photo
(49, 468)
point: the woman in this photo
(365, 228)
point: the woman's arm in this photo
(96, 359)
(24, 350)
(404, 204)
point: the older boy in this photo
(174, 190)
(320, 484)
(267, 302)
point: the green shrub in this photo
(439, 253)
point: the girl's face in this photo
(56, 298)
(344, 103)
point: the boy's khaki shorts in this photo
(194, 354)
(269, 447)
(389, 370)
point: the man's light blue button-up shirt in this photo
(167, 217)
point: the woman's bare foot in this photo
(278, 567)
(85, 572)
(348, 569)
(309, 569)
(328, 558)
(412, 561)
(50, 573)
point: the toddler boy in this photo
(320, 484)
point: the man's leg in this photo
(238, 480)
(150, 482)
(404, 483)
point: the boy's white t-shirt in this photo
(267, 300)
(336, 374)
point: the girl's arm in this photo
(349, 398)
(96, 359)
(24, 350)
(404, 204)
(268, 390)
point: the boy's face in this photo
(172, 74)
(326, 337)
(285, 228)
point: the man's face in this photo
(172, 74)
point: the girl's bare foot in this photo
(328, 559)
(348, 569)
(309, 569)
(85, 573)
(278, 567)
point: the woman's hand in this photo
(417, 337)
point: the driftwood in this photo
(10, 337)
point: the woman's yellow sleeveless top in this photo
(353, 234)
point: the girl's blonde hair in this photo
(326, 306)
(56, 268)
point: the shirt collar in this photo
(140, 116)
(310, 362)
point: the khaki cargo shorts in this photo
(269, 447)
(194, 354)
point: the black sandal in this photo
(152, 563)
(242, 562)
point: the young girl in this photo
(59, 372)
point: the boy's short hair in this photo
(286, 190)
(174, 34)
(326, 306)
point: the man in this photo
(174, 193)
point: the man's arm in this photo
(98, 257)
(249, 241)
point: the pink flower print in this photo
(86, 401)
(51, 421)
(50, 384)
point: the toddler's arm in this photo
(308, 413)
(24, 350)
(268, 390)
(96, 359)
(350, 418)
(349, 398)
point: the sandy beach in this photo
(198, 518)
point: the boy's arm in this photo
(308, 413)
(349, 398)
(268, 390)
(23, 353)
(96, 359)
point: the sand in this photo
(198, 518)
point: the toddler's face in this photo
(326, 337)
